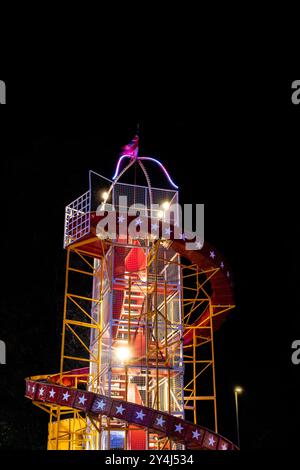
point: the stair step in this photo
(132, 306)
(134, 315)
(135, 296)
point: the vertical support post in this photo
(237, 417)
(109, 373)
(129, 344)
(63, 343)
(166, 322)
(126, 398)
(98, 439)
(156, 329)
(64, 316)
(194, 375)
(129, 311)
(213, 365)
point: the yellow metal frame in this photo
(70, 429)
(203, 363)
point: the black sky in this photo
(235, 149)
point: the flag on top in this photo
(132, 148)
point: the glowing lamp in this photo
(123, 353)
(165, 205)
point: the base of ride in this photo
(137, 367)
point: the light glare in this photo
(105, 195)
(165, 205)
(123, 353)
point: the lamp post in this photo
(237, 391)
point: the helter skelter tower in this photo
(137, 367)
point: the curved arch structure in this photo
(131, 151)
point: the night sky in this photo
(235, 149)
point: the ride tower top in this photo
(112, 195)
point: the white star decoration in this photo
(66, 396)
(120, 409)
(82, 400)
(222, 264)
(100, 405)
(196, 434)
(154, 227)
(182, 236)
(167, 231)
(224, 447)
(138, 221)
(140, 415)
(178, 428)
(198, 245)
(121, 219)
(41, 392)
(212, 254)
(52, 393)
(211, 441)
(160, 421)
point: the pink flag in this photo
(132, 148)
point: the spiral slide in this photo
(49, 389)
(95, 405)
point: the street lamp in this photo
(237, 391)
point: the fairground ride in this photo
(137, 368)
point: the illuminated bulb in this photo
(160, 214)
(238, 389)
(104, 195)
(123, 353)
(165, 205)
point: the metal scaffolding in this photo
(156, 316)
(138, 325)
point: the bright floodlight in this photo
(165, 205)
(123, 353)
(104, 195)
(238, 389)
